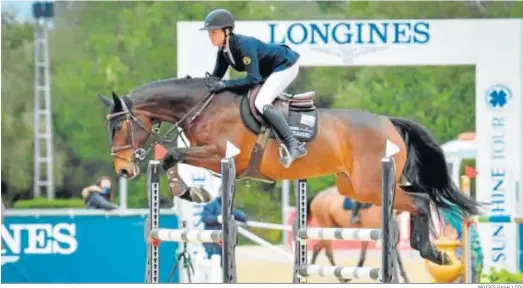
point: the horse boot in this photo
(180, 189)
(276, 120)
(355, 218)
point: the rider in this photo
(276, 65)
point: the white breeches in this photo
(275, 84)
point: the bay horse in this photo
(327, 209)
(344, 142)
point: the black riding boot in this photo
(276, 119)
(355, 218)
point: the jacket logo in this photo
(246, 60)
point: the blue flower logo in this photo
(498, 96)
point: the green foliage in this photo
(501, 276)
(258, 206)
(422, 94)
(41, 202)
(17, 102)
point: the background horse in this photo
(327, 209)
(344, 142)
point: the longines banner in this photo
(80, 249)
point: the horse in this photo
(327, 209)
(345, 142)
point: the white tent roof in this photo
(460, 149)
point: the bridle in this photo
(140, 153)
(137, 153)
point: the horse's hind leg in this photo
(363, 254)
(330, 255)
(316, 251)
(366, 184)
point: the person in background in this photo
(212, 219)
(99, 196)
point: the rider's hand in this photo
(217, 86)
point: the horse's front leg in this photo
(201, 156)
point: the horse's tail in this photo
(427, 170)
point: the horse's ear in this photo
(117, 103)
(105, 100)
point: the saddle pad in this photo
(303, 124)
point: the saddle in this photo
(302, 101)
(299, 111)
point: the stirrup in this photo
(283, 151)
(285, 155)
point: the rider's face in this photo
(217, 37)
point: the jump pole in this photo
(388, 235)
(227, 236)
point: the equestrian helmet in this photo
(218, 18)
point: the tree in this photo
(17, 103)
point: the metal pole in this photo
(123, 193)
(229, 226)
(153, 193)
(284, 204)
(300, 246)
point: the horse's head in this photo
(131, 119)
(129, 130)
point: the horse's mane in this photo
(187, 80)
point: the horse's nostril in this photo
(124, 173)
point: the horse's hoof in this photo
(445, 259)
(176, 185)
(199, 195)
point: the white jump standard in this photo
(228, 235)
(388, 235)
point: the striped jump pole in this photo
(385, 274)
(153, 221)
(228, 235)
